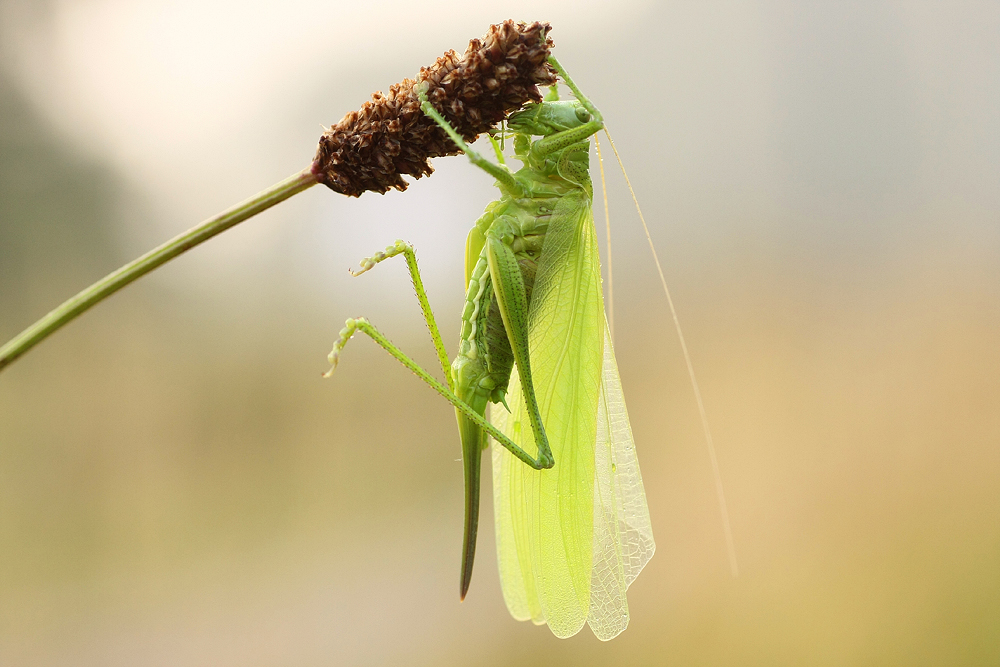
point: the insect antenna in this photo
(607, 227)
(730, 545)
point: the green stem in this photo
(113, 282)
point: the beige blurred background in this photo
(178, 486)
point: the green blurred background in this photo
(179, 486)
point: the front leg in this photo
(584, 100)
(560, 140)
(499, 172)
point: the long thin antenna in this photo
(694, 382)
(607, 225)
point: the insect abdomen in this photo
(485, 360)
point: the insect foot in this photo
(399, 247)
(350, 326)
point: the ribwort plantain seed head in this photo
(371, 149)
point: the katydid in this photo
(572, 524)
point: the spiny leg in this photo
(560, 140)
(361, 324)
(584, 100)
(501, 173)
(512, 300)
(404, 248)
(497, 150)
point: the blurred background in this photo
(179, 486)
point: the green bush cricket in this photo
(573, 528)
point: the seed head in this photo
(389, 136)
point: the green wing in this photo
(570, 540)
(545, 519)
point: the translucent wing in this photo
(513, 489)
(545, 519)
(570, 540)
(622, 535)
(623, 538)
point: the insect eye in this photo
(582, 114)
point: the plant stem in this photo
(154, 258)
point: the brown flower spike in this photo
(390, 136)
